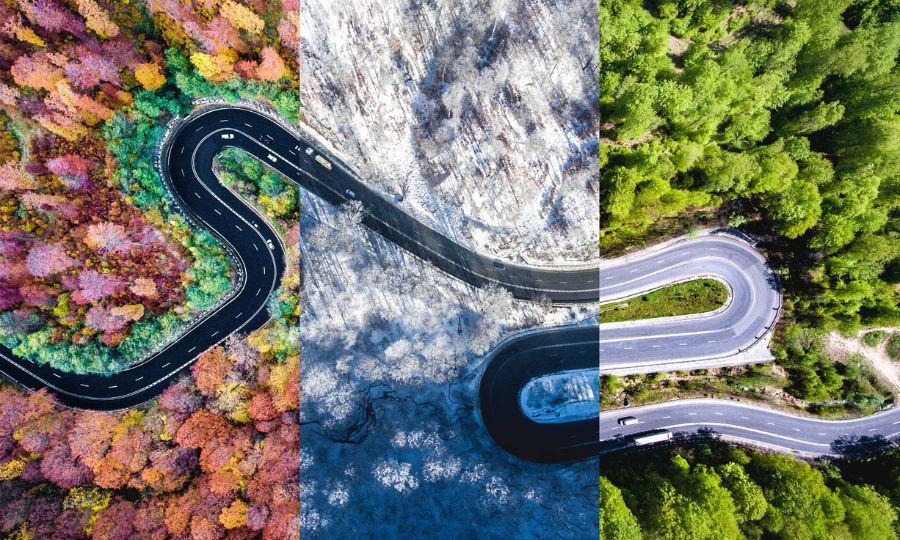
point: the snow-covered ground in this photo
(481, 114)
(390, 362)
(562, 397)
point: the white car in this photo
(270, 244)
(627, 421)
(228, 135)
(309, 151)
(350, 193)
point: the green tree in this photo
(616, 520)
(869, 514)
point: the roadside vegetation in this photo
(874, 338)
(252, 179)
(97, 267)
(804, 379)
(719, 491)
(893, 347)
(776, 117)
(688, 298)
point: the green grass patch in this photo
(696, 296)
(893, 347)
(873, 339)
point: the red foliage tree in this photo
(202, 426)
(261, 407)
(46, 260)
(62, 468)
(91, 436)
(115, 522)
(210, 370)
(171, 468)
(94, 286)
(181, 397)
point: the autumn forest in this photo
(98, 269)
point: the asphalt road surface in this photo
(259, 255)
(736, 421)
(693, 342)
(521, 360)
(254, 246)
(651, 345)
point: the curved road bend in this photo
(514, 364)
(260, 255)
(653, 345)
(255, 246)
(805, 436)
(703, 341)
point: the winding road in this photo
(737, 333)
(721, 337)
(749, 424)
(258, 254)
(726, 336)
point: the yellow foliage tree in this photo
(27, 35)
(234, 515)
(218, 68)
(87, 498)
(12, 469)
(97, 19)
(278, 379)
(64, 127)
(132, 312)
(241, 17)
(150, 76)
(144, 287)
(232, 399)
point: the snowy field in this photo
(477, 115)
(482, 115)
(390, 363)
(562, 397)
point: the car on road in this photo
(272, 158)
(499, 265)
(270, 244)
(309, 151)
(323, 162)
(627, 420)
(228, 135)
(350, 193)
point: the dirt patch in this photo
(678, 46)
(839, 347)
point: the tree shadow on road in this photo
(856, 446)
